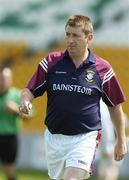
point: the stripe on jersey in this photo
(44, 64)
(108, 75)
(40, 86)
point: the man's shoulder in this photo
(53, 58)
(102, 61)
(103, 67)
(102, 64)
(55, 55)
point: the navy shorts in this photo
(8, 148)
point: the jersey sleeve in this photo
(37, 84)
(112, 93)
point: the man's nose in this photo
(71, 39)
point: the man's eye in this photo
(67, 34)
(75, 35)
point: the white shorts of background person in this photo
(76, 151)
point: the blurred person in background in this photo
(108, 168)
(75, 80)
(10, 122)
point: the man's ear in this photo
(89, 37)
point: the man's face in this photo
(5, 82)
(76, 40)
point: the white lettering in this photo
(75, 88)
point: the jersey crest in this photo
(89, 76)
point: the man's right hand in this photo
(25, 107)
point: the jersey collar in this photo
(90, 59)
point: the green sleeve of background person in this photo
(10, 123)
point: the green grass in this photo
(37, 175)
(28, 175)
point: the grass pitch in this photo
(28, 175)
(38, 175)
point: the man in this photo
(10, 122)
(75, 80)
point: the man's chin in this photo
(72, 51)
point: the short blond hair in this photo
(80, 20)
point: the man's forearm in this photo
(26, 100)
(26, 96)
(117, 117)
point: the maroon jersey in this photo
(74, 94)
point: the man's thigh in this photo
(73, 173)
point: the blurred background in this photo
(30, 29)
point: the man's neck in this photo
(77, 60)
